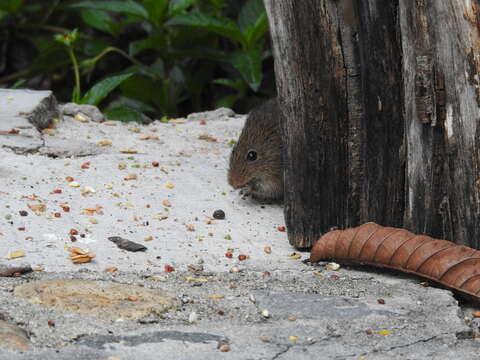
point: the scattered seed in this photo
(16, 255)
(229, 255)
(56, 191)
(155, 164)
(281, 228)
(267, 250)
(104, 143)
(265, 313)
(224, 348)
(23, 213)
(332, 266)
(166, 203)
(57, 215)
(384, 332)
(169, 268)
(129, 151)
(242, 257)
(193, 317)
(264, 338)
(65, 208)
(293, 338)
(381, 301)
(235, 269)
(51, 323)
(369, 332)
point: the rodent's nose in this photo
(236, 183)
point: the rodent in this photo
(256, 162)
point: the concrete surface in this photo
(158, 185)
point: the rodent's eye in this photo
(252, 155)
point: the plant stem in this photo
(76, 93)
(117, 50)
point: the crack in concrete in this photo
(280, 353)
(396, 347)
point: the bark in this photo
(381, 104)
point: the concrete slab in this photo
(158, 185)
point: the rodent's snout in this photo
(235, 182)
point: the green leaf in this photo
(227, 101)
(152, 42)
(177, 6)
(11, 6)
(157, 10)
(219, 25)
(128, 7)
(132, 104)
(249, 64)
(99, 20)
(237, 84)
(253, 21)
(250, 13)
(257, 30)
(18, 84)
(101, 90)
(125, 114)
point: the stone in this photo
(221, 113)
(89, 111)
(68, 148)
(24, 109)
(98, 298)
(23, 114)
(13, 337)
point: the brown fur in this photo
(263, 177)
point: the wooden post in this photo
(381, 103)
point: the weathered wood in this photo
(381, 103)
(441, 66)
(311, 83)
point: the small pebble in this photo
(219, 214)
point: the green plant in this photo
(154, 57)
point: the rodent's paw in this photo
(262, 193)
